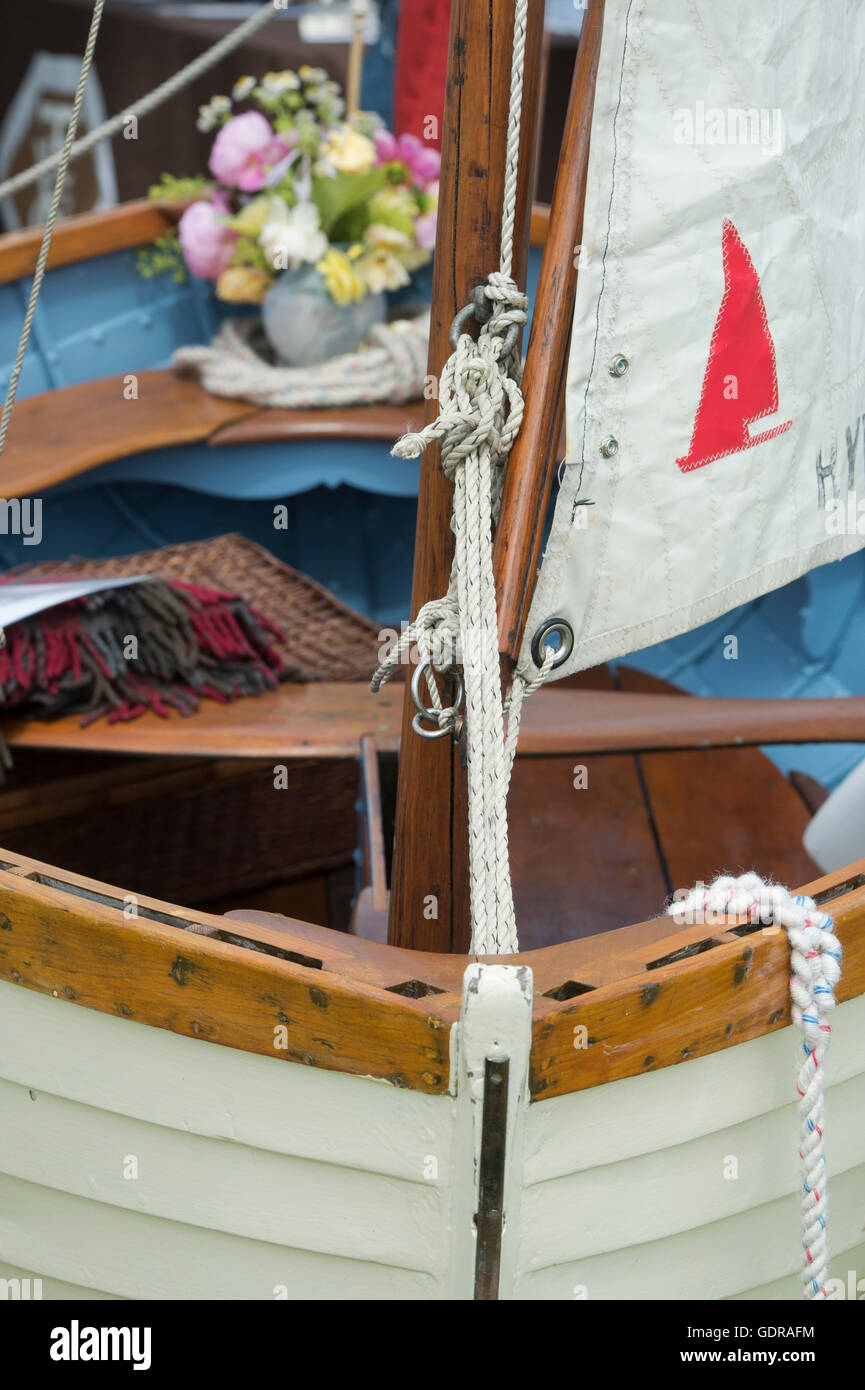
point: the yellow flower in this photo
(242, 284)
(242, 88)
(381, 269)
(349, 152)
(342, 282)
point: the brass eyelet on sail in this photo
(553, 627)
(428, 715)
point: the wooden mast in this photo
(530, 468)
(429, 907)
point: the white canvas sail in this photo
(716, 384)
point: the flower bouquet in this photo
(306, 211)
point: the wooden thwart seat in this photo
(329, 718)
(61, 434)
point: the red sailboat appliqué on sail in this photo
(741, 381)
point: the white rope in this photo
(815, 962)
(145, 104)
(62, 161)
(392, 368)
(480, 412)
(523, 685)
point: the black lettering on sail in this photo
(824, 471)
(852, 442)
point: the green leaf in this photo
(162, 257)
(337, 196)
(179, 189)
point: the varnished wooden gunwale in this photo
(85, 235)
(361, 1007)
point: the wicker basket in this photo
(324, 640)
(188, 831)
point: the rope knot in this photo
(480, 402)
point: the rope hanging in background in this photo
(143, 107)
(62, 161)
(815, 963)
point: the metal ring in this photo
(457, 326)
(418, 727)
(562, 627)
(433, 716)
(481, 304)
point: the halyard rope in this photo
(815, 963)
(143, 107)
(62, 162)
(480, 412)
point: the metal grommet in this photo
(619, 365)
(610, 447)
(553, 627)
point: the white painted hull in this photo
(259, 1179)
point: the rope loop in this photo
(815, 969)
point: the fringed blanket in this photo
(156, 645)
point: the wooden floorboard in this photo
(583, 859)
(722, 810)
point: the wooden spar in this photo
(355, 59)
(431, 841)
(530, 468)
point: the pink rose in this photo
(422, 161)
(425, 231)
(206, 242)
(386, 146)
(244, 152)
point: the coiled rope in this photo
(392, 368)
(815, 965)
(480, 412)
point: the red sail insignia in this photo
(741, 381)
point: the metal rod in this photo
(489, 1219)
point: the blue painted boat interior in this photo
(349, 509)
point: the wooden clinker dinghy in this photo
(248, 1106)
